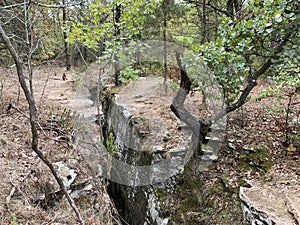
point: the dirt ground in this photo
(29, 194)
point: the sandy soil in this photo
(29, 194)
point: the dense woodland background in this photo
(234, 37)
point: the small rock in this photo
(75, 194)
(248, 148)
(138, 96)
(157, 148)
(97, 207)
(231, 140)
(210, 158)
(207, 149)
(165, 221)
(68, 175)
(232, 146)
(214, 138)
(213, 158)
(218, 126)
(88, 187)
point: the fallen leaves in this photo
(291, 148)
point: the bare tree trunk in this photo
(202, 41)
(164, 5)
(203, 24)
(232, 7)
(34, 120)
(117, 18)
(67, 47)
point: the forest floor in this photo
(27, 188)
(29, 193)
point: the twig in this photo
(8, 198)
(12, 106)
(52, 128)
(40, 4)
(1, 93)
(44, 88)
(14, 188)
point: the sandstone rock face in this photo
(153, 146)
(145, 130)
(271, 205)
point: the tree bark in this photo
(199, 127)
(164, 6)
(117, 18)
(233, 6)
(203, 24)
(67, 47)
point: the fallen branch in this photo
(12, 106)
(14, 188)
(44, 88)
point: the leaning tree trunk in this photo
(198, 126)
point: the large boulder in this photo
(271, 204)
